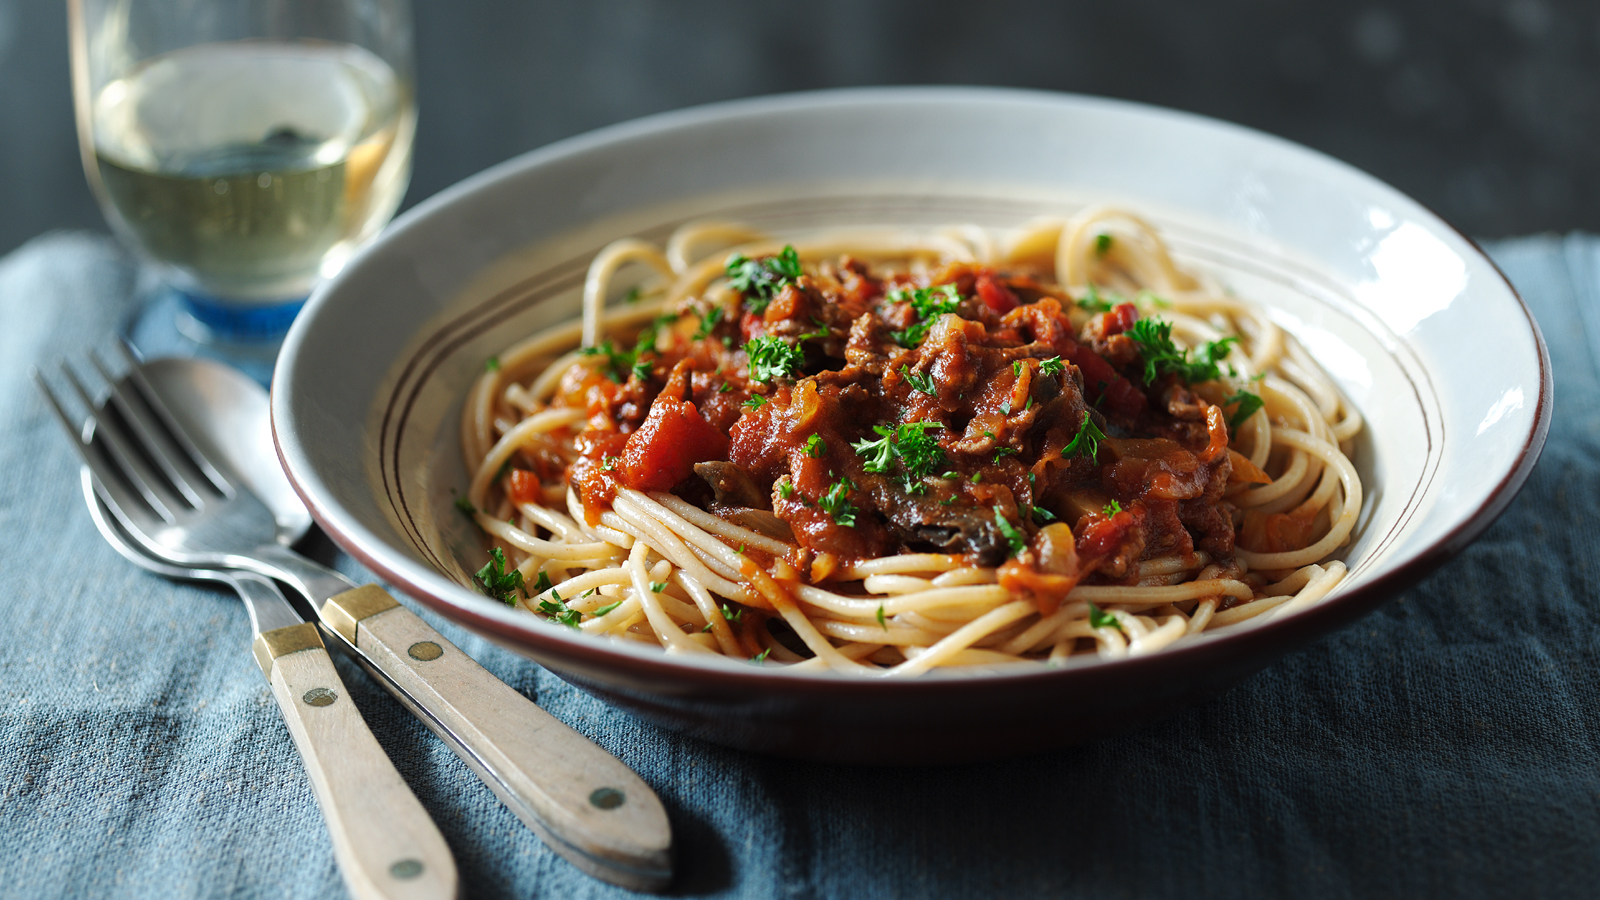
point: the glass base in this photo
(176, 323)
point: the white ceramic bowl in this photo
(1416, 325)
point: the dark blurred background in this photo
(1486, 110)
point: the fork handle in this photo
(583, 802)
(384, 841)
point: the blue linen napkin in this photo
(1444, 745)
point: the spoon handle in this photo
(582, 801)
(384, 841)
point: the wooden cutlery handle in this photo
(384, 841)
(582, 801)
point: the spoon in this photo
(385, 843)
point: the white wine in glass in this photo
(250, 166)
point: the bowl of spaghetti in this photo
(821, 426)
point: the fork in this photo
(383, 839)
(182, 508)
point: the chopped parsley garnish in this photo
(1248, 404)
(815, 446)
(881, 623)
(708, 324)
(1042, 514)
(496, 582)
(1093, 302)
(771, 357)
(609, 463)
(835, 504)
(923, 383)
(732, 615)
(1086, 442)
(724, 388)
(754, 401)
(760, 280)
(1154, 337)
(908, 445)
(657, 587)
(632, 296)
(465, 505)
(785, 487)
(492, 364)
(1052, 366)
(607, 608)
(1013, 536)
(619, 363)
(1102, 243)
(641, 369)
(929, 305)
(557, 609)
(1001, 452)
(543, 584)
(1099, 618)
(1016, 368)
(760, 658)
(1111, 509)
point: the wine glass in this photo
(245, 148)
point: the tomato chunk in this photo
(664, 449)
(995, 295)
(523, 487)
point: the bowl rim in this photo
(585, 652)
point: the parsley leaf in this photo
(881, 623)
(607, 608)
(909, 444)
(835, 504)
(557, 610)
(1099, 618)
(1052, 366)
(492, 364)
(657, 587)
(1013, 536)
(928, 305)
(543, 584)
(465, 505)
(708, 324)
(732, 615)
(1111, 509)
(815, 446)
(785, 488)
(1102, 243)
(1161, 355)
(496, 582)
(760, 280)
(754, 401)
(923, 383)
(1248, 404)
(771, 357)
(760, 658)
(1093, 302)
(1086, 442)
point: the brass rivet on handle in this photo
(607, 798)
(406, 869)
(427, 651)
(320, 697)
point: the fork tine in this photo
(146, 430)
(111, 485)
(136, 472)
(159, 407)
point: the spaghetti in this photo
(883, 454)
